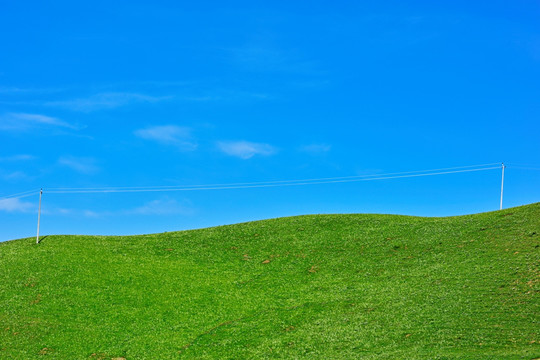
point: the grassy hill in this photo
(317, 287)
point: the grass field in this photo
(317, 287)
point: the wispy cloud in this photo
(316, 148)
(246, 149)
(262, 55)
(163, 207)
(15, 90)
(177, 136)
(51, 209)
(15, 158)
(109, 100)
(25, 122)
(95, 214)
(227, 95)
(15, 176)
(16, 205)
(83, 165)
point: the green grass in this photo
(317, 287)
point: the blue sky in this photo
(183, 93)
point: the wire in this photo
(303, 181)
(19, 195)
(261, 185)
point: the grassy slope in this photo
(328, 286)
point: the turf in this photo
(317, 287)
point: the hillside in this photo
(317, 287)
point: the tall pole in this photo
(502, 185)
(39, 215)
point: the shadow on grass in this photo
(41, 238)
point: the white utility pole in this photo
(39, 215)
(502, 185)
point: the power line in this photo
(276, 183)
(315, 180)
(268, 184)
(19, 195)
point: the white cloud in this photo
(245, 149)
(163, 207)
(15, 176)
(10, 90)
(84, 165)
(169, 135)
(160, 207)
(156, 207)
(50, 209)
(25, 121)
(108, 100)
(261, 54)
(227, 95)
(16, 205)
(20, 157)
(95, 214)
(316, 148)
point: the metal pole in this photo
(502, 185)
(39, 215)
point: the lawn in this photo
(317, 287)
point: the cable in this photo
(315, 180)
(19, 195)
(259, 185)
